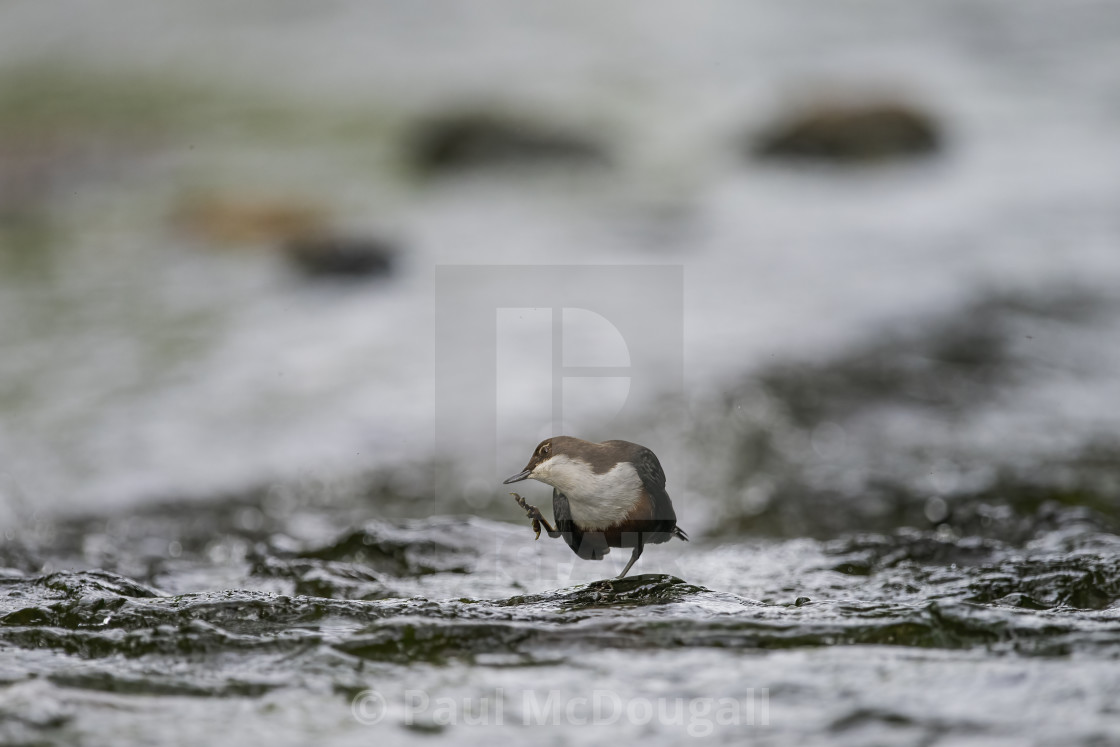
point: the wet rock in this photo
(223, 220)
(154, 685)
(863, 555)
(630, 591)
(851, 133)
(409, 641)
(340, 256)
(1019, 507)
(96, 584)
(324, 579)
(467, 140)
(1078, 581)
(861, 718)
(407, 549)
(1019, 601)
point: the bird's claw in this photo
(532, 512)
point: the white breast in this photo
(596, 501)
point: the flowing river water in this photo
(895, 447)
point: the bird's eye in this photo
(543, 450)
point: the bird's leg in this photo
(633, 558)
(535, 514)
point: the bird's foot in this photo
(532, 512)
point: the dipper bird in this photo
(604, 495)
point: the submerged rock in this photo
(229, 220)
(471, 140)
(413, 548)
(1079, 581)
(851, 133)
(325, 579)
(340, 256)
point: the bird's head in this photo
(537, 468)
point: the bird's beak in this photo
(522, 475)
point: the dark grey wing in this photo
(649, 468)
(653, 478)
(664, 524)
(561, 512)
(587, 545)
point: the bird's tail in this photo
(678, 532)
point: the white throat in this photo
(596, 501)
